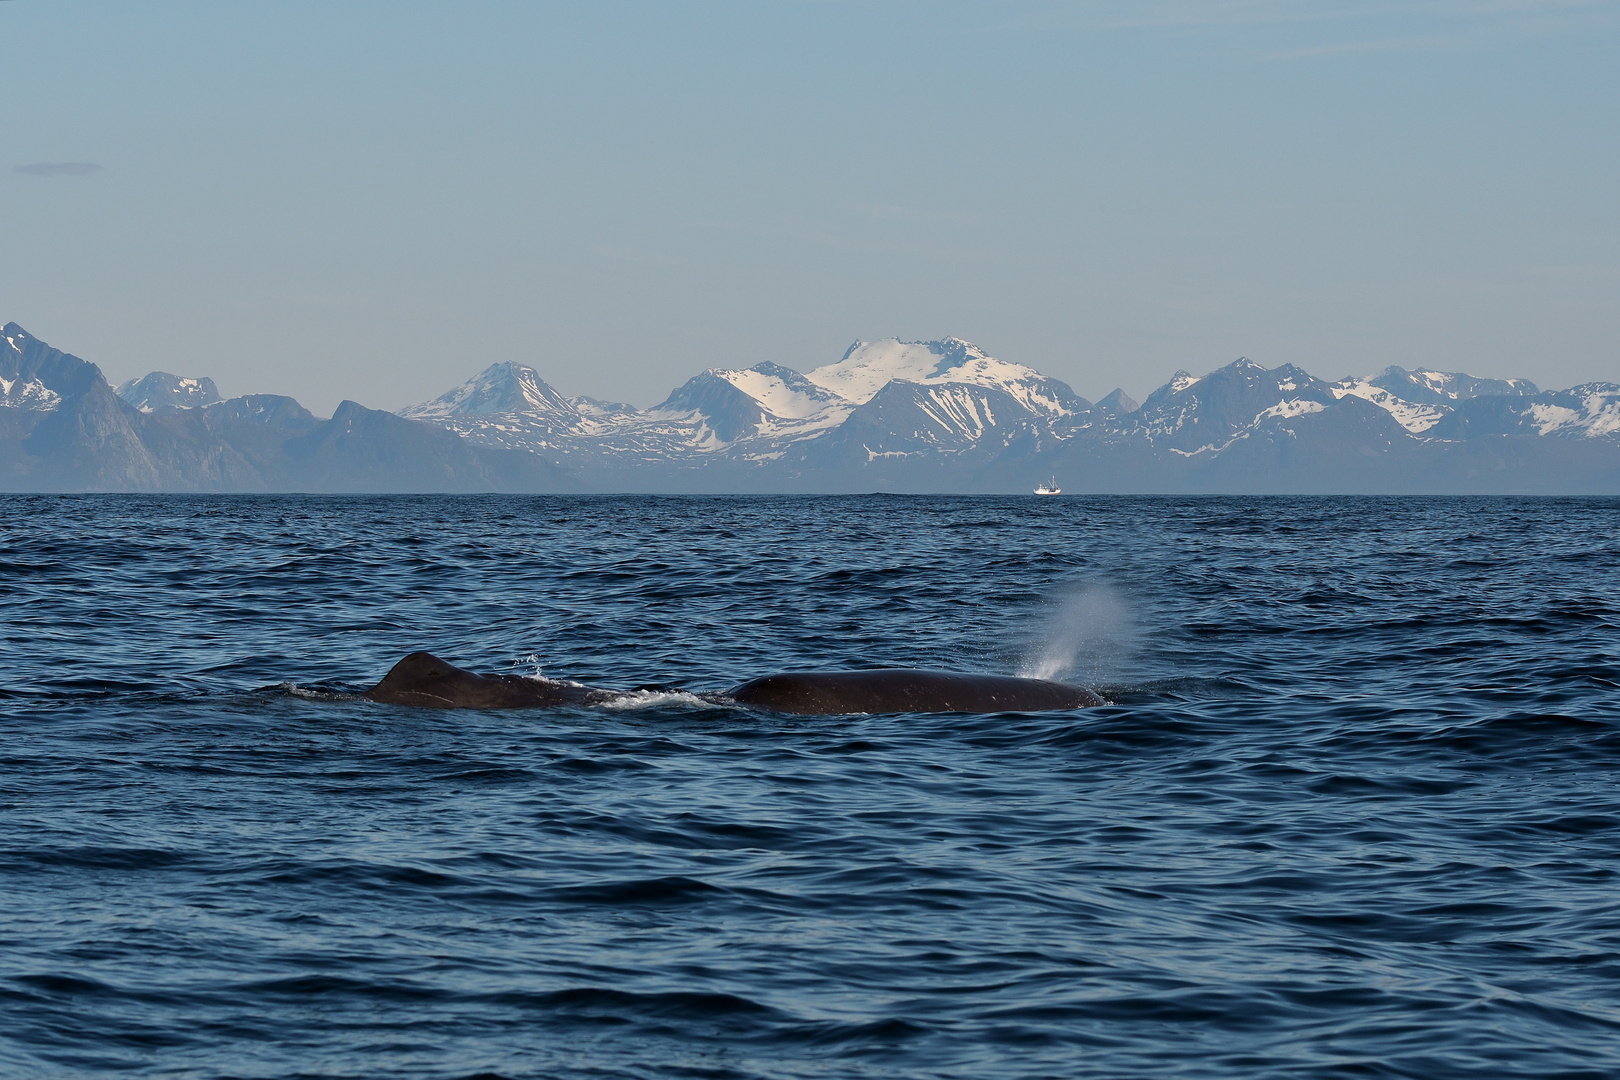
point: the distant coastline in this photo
(934, 416)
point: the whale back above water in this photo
(424, 681)
(906, 690)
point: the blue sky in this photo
(374, 201)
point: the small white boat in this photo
(1049, 489)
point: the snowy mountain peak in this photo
(37, 376)
(23, 391)
(1242, 372)
(1440, 387)
(732, 404)
(1118, 403)
(955, 354)
(1418, 400)
(1286, 378)
(160, 392)
(506, 387)
(781, 391)
(1413, 417)
(869, 366)
(1199, 415)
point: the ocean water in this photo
(1353, 809)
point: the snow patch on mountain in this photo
(27, 394)
(1591, 411)
(1290, 408)
(728, 406)
(868, 366)
(777, 395)
(14, 337)
(160, 392)
(1418, 400)
(1440, 387)
(1550, 418)
(957, 410)
(1602, 411)
(1414, 418)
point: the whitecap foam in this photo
(646, 699)
(306, 693)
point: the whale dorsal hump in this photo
(421, 675)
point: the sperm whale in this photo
(425, 681)
(903, 690)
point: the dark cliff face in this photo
(95, 439)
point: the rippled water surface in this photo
(1353, 810)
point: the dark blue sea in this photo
(1353, 809)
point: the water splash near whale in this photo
(1086, 635)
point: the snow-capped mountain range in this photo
(887, 415)
(900, 402)
(753, 414)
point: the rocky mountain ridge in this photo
(887, 415)
(69, 431)
(945, 415)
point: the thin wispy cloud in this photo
(59, 168)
